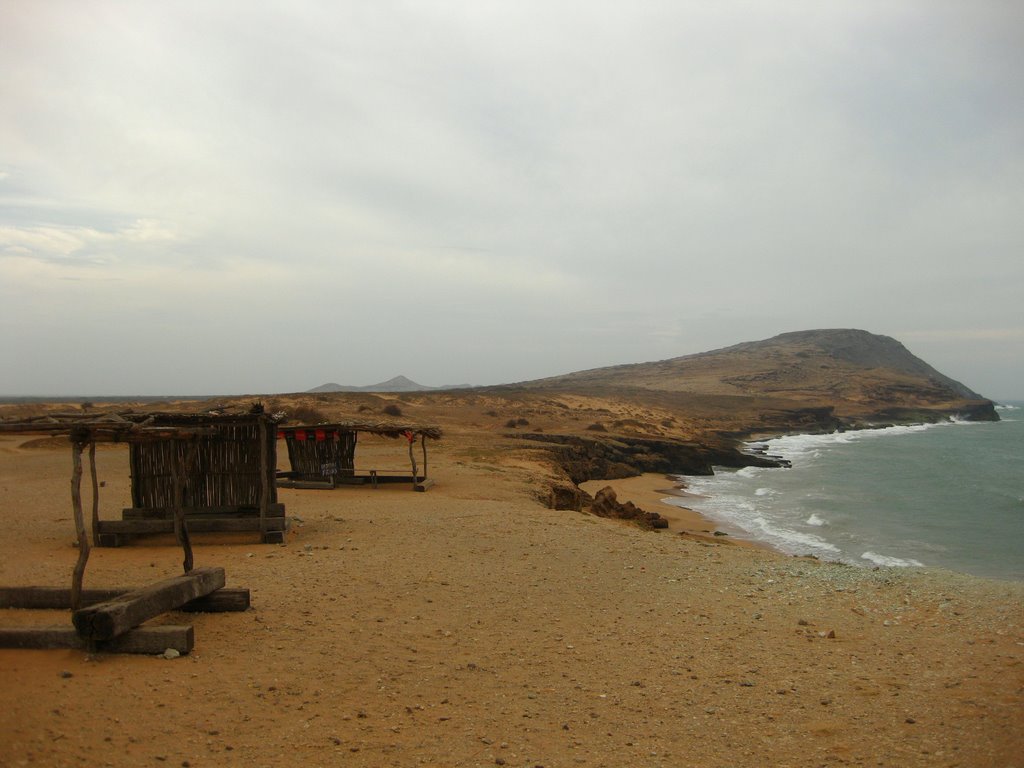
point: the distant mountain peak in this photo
(396, 384)
(400, 384)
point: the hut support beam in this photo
(78, 574)
(183, 462)
(264, 479)
(95, 491)
(150, 640)
(59, 598)
(412, 459)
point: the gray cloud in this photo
(489, 192)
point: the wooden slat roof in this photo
(129, 426)
(387, 429)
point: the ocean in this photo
(947, 495)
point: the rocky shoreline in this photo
(582, 458)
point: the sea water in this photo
(947, 495)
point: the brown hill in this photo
(855, 372)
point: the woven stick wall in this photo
(223, 469)
(318, 452)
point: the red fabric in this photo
(321, 435)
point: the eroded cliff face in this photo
(606, 504)
(608, 456)
(585, 458)
(826, 419)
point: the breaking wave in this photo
(891, 562)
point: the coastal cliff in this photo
(591, 458)
(803, 382)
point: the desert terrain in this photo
(475, 625)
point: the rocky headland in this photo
(698, 410)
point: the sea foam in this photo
(891, 562)
(933, 494)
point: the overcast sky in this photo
(260, 197)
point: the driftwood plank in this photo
(221, 601)
(152, 640)
(117, 615)
(224, 525)
(318, 485)
(59, 598)
(191, 513)
(52, 598)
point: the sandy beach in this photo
(472, 626)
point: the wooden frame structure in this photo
(182, 446)
(215, 472)
(111, 619)
(222, 479)
(323, 455)
(177, 460)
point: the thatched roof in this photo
(386, 429)
(131, 426)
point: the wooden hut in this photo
(208, 472)
(223, 478)
(214, 471)
(323, 455)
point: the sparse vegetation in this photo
(392, 410)
(597, 426)
(305, 414)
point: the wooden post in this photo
(412, 458)
(264, 478)
(179, 470)
(423, 442)
(83, 541)
(95, 492)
